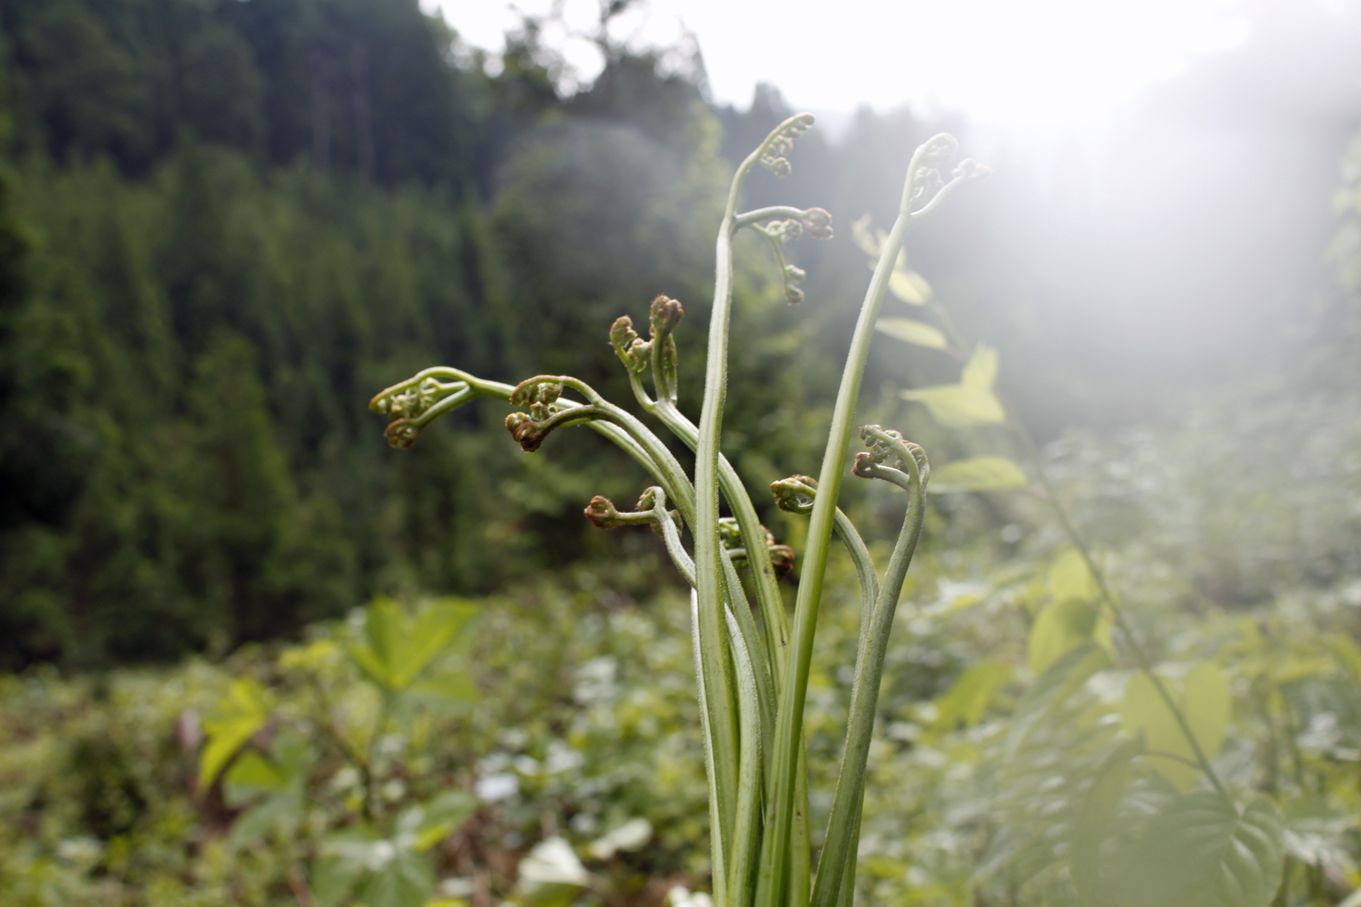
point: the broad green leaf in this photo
(1209, 705)
(236, 719)
(250, 775)
(909, 286)
(345, 858)
(451, 685)
(972, 693)
(333, 879)
(278, 810)
(1061, 627)
(1204, 851)
(958, 405)
(393, 875)
(311, 657)
(421, 827)
(1069, 578)
(358, 844)
(1097, 820)
(281, 779)
(1204, 700)
(976, 474)
(911, 331)
(291, 756)
(396, 647)
(1294, 668)
(980, 371)
(405, 880)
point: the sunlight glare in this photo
(1044, 62)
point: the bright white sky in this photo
(1003, 61)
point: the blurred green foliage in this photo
(576, 775)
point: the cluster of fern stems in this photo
(752, 656)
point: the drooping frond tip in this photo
(413, 404)
(773, 152)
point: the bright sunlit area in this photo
(680, 453)
(1044, 63)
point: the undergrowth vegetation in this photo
(579, 754)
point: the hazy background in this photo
(231, 222)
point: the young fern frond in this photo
(658, 355)
(923, 190)
(795, 494)
(751, 680)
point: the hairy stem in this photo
(838, 859)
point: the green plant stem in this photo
(666, 525)
(845, 532)
(860, 556)
(761, 215)
(676, 483)
(838, 860)
(716, 671)
(615, 433)
(751, 638)
(789, 727)
(717, 834)
(846, 895)
(747, 829)
(366, 767)
(773, 616)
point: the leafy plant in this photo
(752, 676)
(272, 771)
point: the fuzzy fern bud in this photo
(603, 514)
(886, 456)
(664, 315)
(795, 494)
(628, 346)
(773, 153)
(818, 223)
(413, 404)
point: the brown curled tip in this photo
(402, 433)
(602, 512)
(524, 430)
(782, 559)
